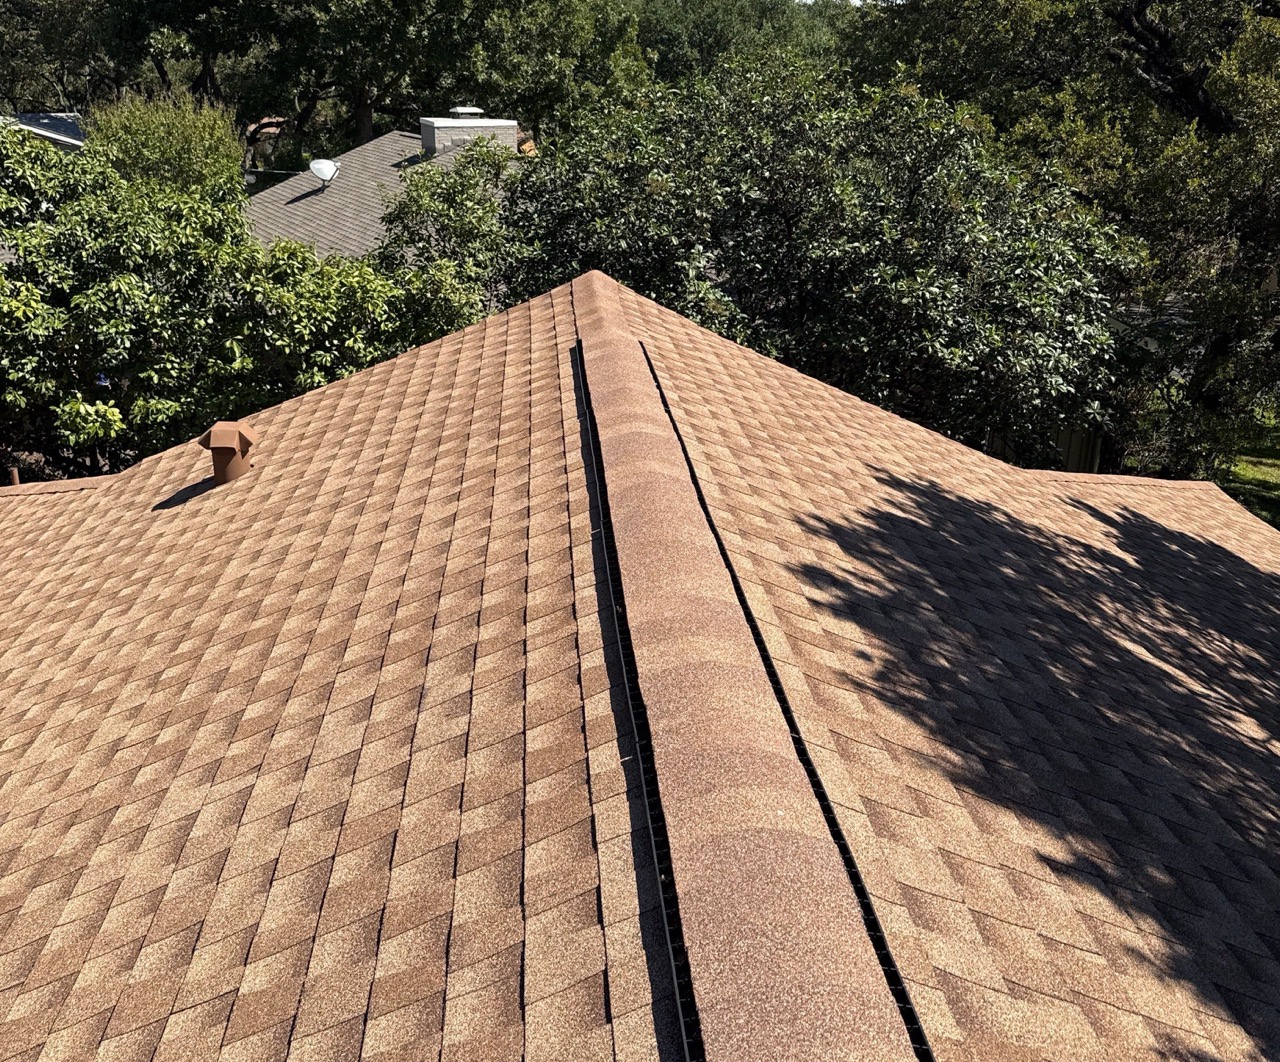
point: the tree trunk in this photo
(206, 82)
(1160, 68)
(364, 114)
(307, 111)
(162, 72)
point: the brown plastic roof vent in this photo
(229, 442)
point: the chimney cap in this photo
(463, 111)
(229, 435)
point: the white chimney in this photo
(464, 124)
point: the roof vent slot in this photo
(229, 441)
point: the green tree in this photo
(346, 70)
(539, 61)
(872, 238)
(340, 70)
(58, 55)
(689, 37)
(137, 310)
(1165, 117)
(172, 141)
(451, 220)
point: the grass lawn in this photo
(1255, 479)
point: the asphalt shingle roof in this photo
(61, 128)
(339, 760)
(1043, 705)
(346, 217)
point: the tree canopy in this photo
(871, 237)
(138, 307)
(1001, 217)
(1164, 117)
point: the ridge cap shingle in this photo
(771, 924)
(54, 486)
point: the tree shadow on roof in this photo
(1122, 699)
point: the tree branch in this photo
(1168, 79)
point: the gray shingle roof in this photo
(61, 128)
(346, 217)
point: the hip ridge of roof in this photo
(770, 923)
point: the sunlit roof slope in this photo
(586, 686)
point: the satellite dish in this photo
(325, 169)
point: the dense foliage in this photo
(1166, 117)
(139, 309)
(869, 237)
(171, 142)
(1085, 232)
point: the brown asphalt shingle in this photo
(324, 757)
(336, 760)
(1044, 707)
(787, 939)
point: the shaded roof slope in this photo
(346, 217)
(584, 685)
(1045, 708)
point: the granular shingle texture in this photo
(323, 762)
(336, 761)
(785, 938)
(346, 217)
(1044, 705)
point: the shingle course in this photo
(355, 776)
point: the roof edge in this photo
(771, 924)
(1116, 479)
(1211, 495)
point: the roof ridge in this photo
(770, 921)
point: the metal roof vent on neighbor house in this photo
(464, 124)
(229, 441)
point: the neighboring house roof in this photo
(62, 129)
(583, 685)
(346, 217)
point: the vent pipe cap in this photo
(229, 441)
